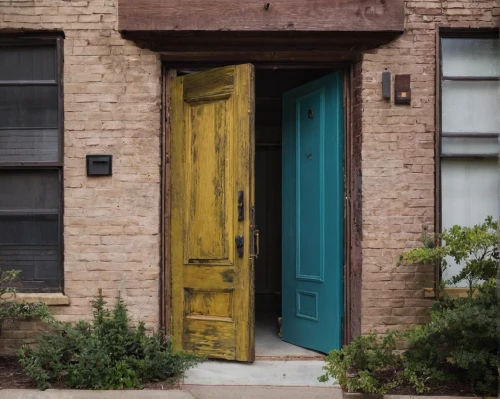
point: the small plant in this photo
(103, 354)
(362, 366)
(10, 310)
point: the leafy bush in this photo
(460, 344)
(104, 354)
(10, 310)
(362, 366)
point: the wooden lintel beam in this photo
(251, 16)
(255, 56)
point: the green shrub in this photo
(460, 344)
(104, 354)
(462, 340)
(10, 310)
(362, 366)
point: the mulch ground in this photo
(13, 377)
(455, 388)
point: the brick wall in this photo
(398, 161)
(112, 105)
(112, 98)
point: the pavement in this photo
(268, 379)
(207, 392)
(188, 392)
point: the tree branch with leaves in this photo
(474, 248)
(11, 310)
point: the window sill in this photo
(50, 299)
(452, 292)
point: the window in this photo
(31, 161)
(470, 128)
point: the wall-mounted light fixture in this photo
(402, 90)
(386, 85)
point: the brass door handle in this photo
(254, 234)
(257, 243)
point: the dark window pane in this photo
(29, 145)
(30, 198)
(29, 190)
(29, 229)
(27, 63)
(29, 226)
(39, 265)
(28, 106)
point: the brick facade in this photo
(398, 161)
(112, 102)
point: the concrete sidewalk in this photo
(189, 392)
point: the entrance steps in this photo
(287, 373)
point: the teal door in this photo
(313, 214)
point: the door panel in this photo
(212, 117)
(313, 215)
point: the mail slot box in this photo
(99, 165)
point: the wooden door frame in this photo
(352, 183)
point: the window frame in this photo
(453, 33)
(56, 40)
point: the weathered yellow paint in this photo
(212, 158)
(209, 303)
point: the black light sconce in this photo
(386, 85)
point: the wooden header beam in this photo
(262, 15)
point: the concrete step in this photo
(254, 392)
(302, 373)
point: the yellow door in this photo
(212, 163)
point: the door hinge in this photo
(342, 331)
